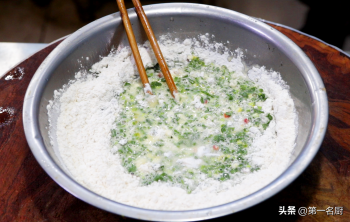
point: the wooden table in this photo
(27, 193)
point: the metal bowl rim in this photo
(35, 141)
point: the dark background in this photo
(43, 21)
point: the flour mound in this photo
(87, 108)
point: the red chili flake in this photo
(246, 121)
(215, 147)
(226, 116)
(160, 75)
(205, 101)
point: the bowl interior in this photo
(259, 47)
(262, 45)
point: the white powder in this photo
(87, 110)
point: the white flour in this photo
(87, 111)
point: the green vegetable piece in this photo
(254, 169)
(234, 170)
(132, 169)
(262, 96)
(113, 133)
(229, 113)
(195, 64)
(257, 111)
(223, 128)
(155, 84)
(163, 177)
(208, 94)
(269, 116)
(218, 138)
(230, 129)
(265, 125)
(224, 176)
(191, 81)
(241, 150)
(243, 87)
(149, 121)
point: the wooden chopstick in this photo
(133, 45)
(161, 61)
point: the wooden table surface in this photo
(27, 193)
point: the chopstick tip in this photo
(175, 94)
(147, 89)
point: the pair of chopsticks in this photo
(161, 61)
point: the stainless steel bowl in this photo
(265, 46)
